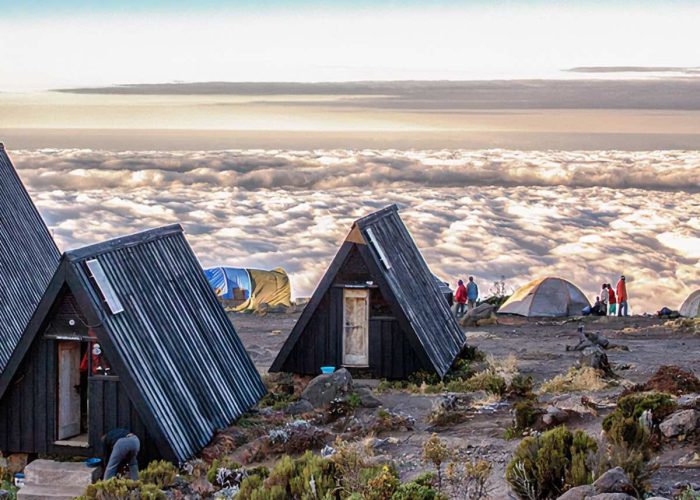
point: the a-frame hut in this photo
(377, 310)
(128, 334)
(28, 258)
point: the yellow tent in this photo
(268, 287)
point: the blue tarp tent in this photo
(224, 280)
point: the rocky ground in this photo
(539, 346)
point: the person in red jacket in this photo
(461, 298)
(612, 300)
(622, 297)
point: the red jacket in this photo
(611, 296)
(461, 294)
(621, 291)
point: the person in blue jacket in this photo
(472, 293)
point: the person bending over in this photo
(121, 448)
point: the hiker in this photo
(598, 308)
(120, 449)
(472, 293)
(622, 297)
(460, 299)
(604, 299)
(612, 300)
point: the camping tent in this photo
(546, 297)
(247, 289)
(229, 282)
(691, 306)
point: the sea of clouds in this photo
(585, 216)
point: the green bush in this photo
(545, 466)
(415, 491)
(114, 489)
(622, 426)
(291, 478)
(159, 473)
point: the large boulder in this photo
(367, 399)
(613, 481)
(578, 493)
(327, 387)
(482, 312)
(680, 423)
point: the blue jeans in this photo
(126, 450)
(622, 305)
(460, 309)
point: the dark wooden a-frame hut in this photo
(128, 334)
(377, 310)
(28, 258)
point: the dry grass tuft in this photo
(584, 379)
(507, 367)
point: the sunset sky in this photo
(50, 44)
(520, 138)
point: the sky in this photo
(51, 44)
(520, 138)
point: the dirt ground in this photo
(539, 346)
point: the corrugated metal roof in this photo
(414, 286)
(173, 337)
(28, 258)
(416, 294)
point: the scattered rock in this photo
(578, 493)
(482, 312)
(327, 387)
(554, 416)
(613, 481)
(4, 494)
(367, 399)
(595, 358)
(300, 407)
(680, 423)
(688, 400)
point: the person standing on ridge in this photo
(460, 299)
(612, 300)
(472, 293)
(622, 297)
(604, 299)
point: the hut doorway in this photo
(71, 389)
(356, 327)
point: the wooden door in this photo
(356, 327)
(68, 389)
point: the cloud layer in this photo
(586, 216)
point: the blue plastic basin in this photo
(327, 369)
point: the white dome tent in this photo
(691, 305)
(552, 297)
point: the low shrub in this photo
(547, 465)
(435, 452)
(622, 426)
(159, 473)
(521, 387)
(292, 478)
(122, 489)
(576, 380)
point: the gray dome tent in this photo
(691, 305)
(552, 297)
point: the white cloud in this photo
(486, 213)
